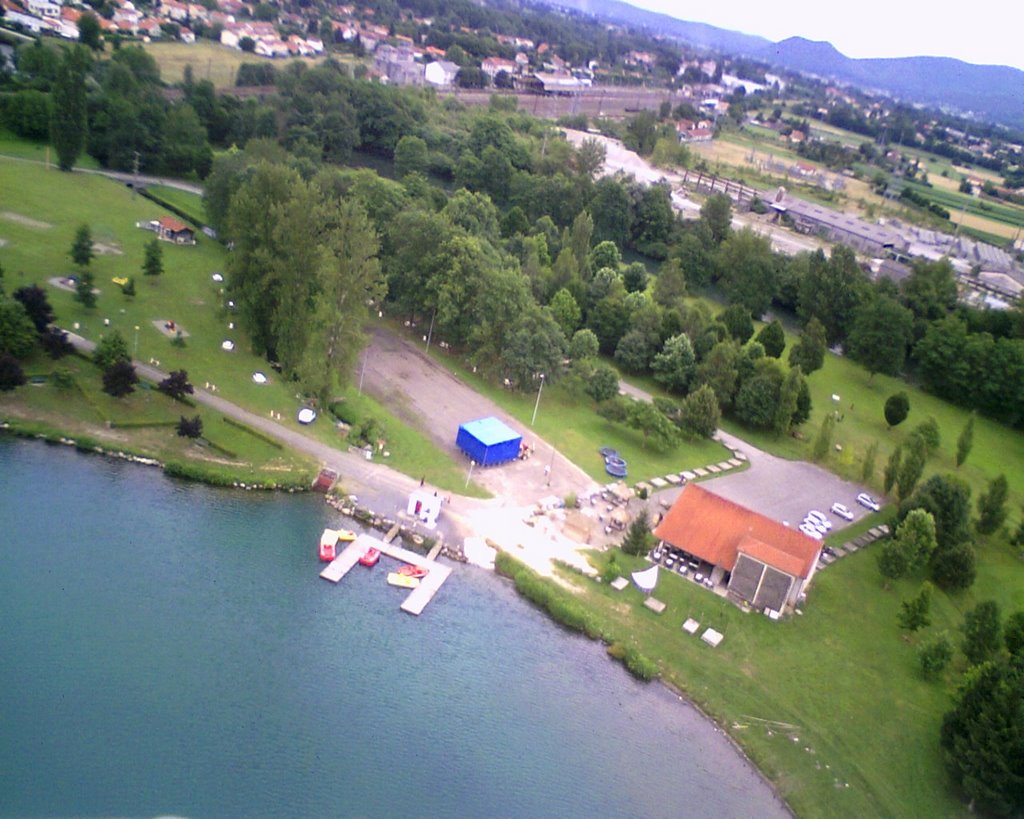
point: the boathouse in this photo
(761, 562)
(488, 441)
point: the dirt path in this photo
(427, 396)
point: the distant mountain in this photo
(990, 92)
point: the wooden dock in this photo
(419, 597)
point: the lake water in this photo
(169, 648)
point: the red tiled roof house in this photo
(171, 230)
(763, 563)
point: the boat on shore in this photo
(370, 558)
(328, 545)
(402, 580)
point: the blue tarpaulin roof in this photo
(490, 431)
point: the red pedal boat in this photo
(370, 558)
(328, 544)
(413, 571)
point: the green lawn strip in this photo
(49, 206)
(143, 423)
(572, 424)
(842, 674)
(955, 201)
(14, 146)
(185, 201)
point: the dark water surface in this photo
(169, 648)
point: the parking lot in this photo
(781, 490)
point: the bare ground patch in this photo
(107, 248)
(25, 221)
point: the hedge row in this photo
(141, 424)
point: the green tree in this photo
(809, 352)
(983, 632)
(893, 560)
(1013, 634)
(983, 740)
(992, 506)
(350, 284)
(954, 568)
(17, 332)
(737, 321)
(534, 344)
(914, 612)
(565, 311)
(965, 442)
(119, 379)
(670, 285)
(110, 349)
(176, 385)
(69, 121)
(773, 338)
(700, 414)
(789, 396)
(638, 539)
(823, 440)
(897, 407)
(831, 290)
(674, 366)
(948, 498)
(892, 468)
(928, 431)
(716, 212)
(85, 293)
(605, 254)
(916, 535)
(747, 270)
(634, 277)
(879, 335)
(603, 384)
(11, 373)
(584, 345)
(411, 155)
(153, 263)
(36, 304)
(912, 465)
(82, 247)
(190, 427)
(867, 471)
(934, 655)
(652, 424)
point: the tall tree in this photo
(69, 121)
(983, 632)
(831, 290)
(638, 539)
(700, 413)
(36, 305)
(746, 269)
(674, 366)
(880, 334)
(983, 739)
(992, 506)
(773, 339)
(82, 247)
(965, 442)
(350, 284)
(153, 262)
(716, 212)
(809, 352)
(119, 379)
(11, 373)
(914, 611)
(17, 333)
(915, 455)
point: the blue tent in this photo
(488, 441)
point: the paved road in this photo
(381, 488)
(119, 176)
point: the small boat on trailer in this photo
(370, 558)
(402, 580)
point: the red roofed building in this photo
(171, 230)
(760, 561)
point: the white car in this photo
(865, 500)
(810, 531)
(842, 511)
(811, 523)
(819, 518)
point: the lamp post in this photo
(536, 406)
(430, 332)
(469, 477)
(135, 352)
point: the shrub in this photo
(934, 655)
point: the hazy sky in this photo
(868, 28)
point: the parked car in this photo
(865, 500)
(810, 531)
(842, 511)
(820, 518)
(828, 550)
(811, 523)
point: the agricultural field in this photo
(209, 61)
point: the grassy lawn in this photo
(190, 203)
(40, 211)
(13, 146)
(572, 423)
(143, 423)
